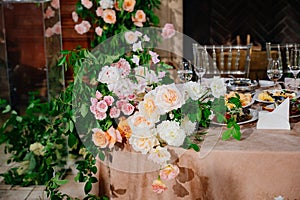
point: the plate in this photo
(241, 84)
(297, 95)
(243, 97)
(265, 83)
(254, 114)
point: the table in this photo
(264, 164)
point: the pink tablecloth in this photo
(264, 164)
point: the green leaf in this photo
(72, 140)
(87, 187)
(83, 110)
(195, 147)
(236, 134)
(226, 134)
(7, 109)
(62, 60)
(61, 182)
(101, 155)
(19, 119)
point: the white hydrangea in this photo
(188, 126)
(171, 133)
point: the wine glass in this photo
(199, 65)
(185, 72)
(294, 65)
(274, 70)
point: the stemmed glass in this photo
(185, 72)
(294, 65)
(199, 65)
(274, 70)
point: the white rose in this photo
(148, 107)
(144, 143)
(168, 98)
(194, 90)
(159, 155)
(130, 37)
(171, 133)
(138, 123)
(109, 75)
(218, 87)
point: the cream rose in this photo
(159, 155)
(144, 143)
(171, 132)
(148, 107)
(169, 172)
(168, 98)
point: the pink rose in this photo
(49, 32)
(169, 172)
(99, 12)
(87, 3)
(94, 101)
(102, 106)
(57, 28)
(98, 95)
(55, 4)
(93, 109)
(83, 27)
(75, 16)
(109, 16)
(120, 103)
(99, 31)
(124, 65)
(131, 97)
(109, 100)
(158, 186)
(100, 115)
(128, 5)
(127, 109)
(139, 18)
(49, 13)
(168, 31)
(114, 112)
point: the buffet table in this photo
(263, 165)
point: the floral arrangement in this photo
(106, 18)
(136, 104)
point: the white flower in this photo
(194, 90)
(279, 198)
(137, 46)
(139, 34)
(159, 155)
(75, 16)
(135, 59)
(37, 148)
(168, 98)
(148, 107)
(188, 126)
(146, 38)
(138, 123)
(144, 142)
(130, 37)
(154, 57)
(171, 132)
(109, 75)
(106, 4)
(218, 87)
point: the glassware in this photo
(185, 72)
(274, 70)
(294, 65)
(199, 65)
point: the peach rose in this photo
(139, 18)
(109, 16)
(99, 138)
(124, 128)
(169, 172)
(158, 186)
(128, 5)
(113, 136)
